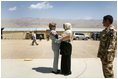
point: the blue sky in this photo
(59, 9)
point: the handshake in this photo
(58, 40)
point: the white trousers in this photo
(55, 49)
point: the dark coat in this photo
(65, 48)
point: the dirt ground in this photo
(20, 49)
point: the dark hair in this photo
(35, 31)
(108, 17)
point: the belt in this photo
(67, 41)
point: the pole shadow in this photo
(43, 69)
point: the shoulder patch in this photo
(111, 33)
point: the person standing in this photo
(66, 49)
(55, 47)
(96, 36)
(34, 39)
(48, 36)
(93, 36)
(107, 47)
(40, 37)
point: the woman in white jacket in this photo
(66, 49)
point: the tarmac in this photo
(41, 68)
(84, 63)
(20, 49)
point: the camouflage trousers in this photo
(108, 69)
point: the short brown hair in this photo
(52, 25)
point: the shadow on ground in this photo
(43, 69)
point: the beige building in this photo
(26, 33)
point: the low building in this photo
(26, 33)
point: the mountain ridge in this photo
(43, 22)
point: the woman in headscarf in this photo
(66, 49)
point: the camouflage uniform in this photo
(107, 50)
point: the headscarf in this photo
(67, 26)
(68, 29)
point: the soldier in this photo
(107, 47)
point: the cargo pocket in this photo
(110, 57)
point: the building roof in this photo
(57, 29)
(25, 29)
